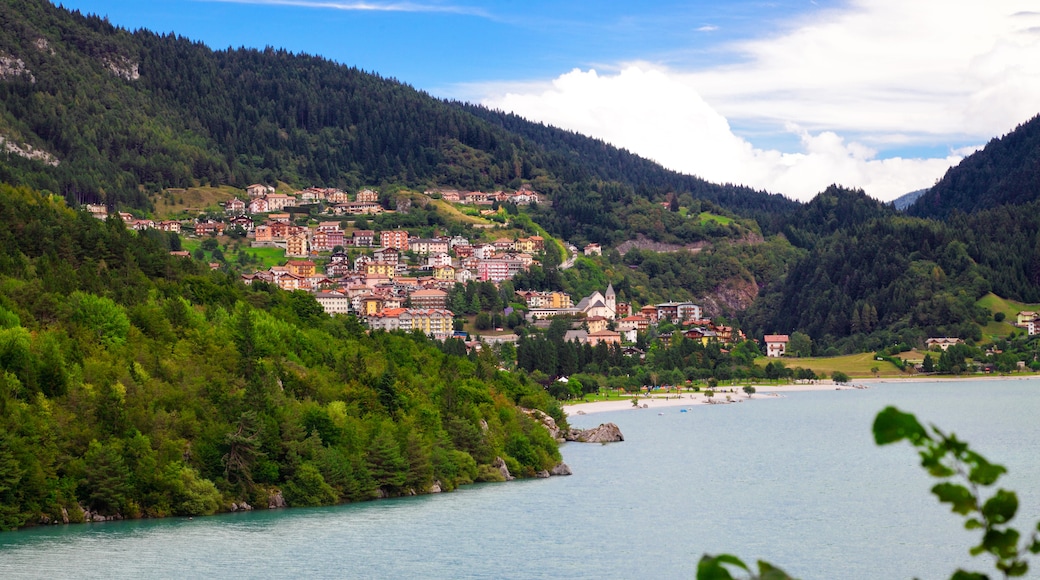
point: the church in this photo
(597, 304)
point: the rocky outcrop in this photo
(548, 422)
(500, 465)
(11, 67)
(605, 433)
(275, 501)
(435, 488)
(241, 506)
(644, 243)
(560, 468)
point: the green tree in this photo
(840, 377)
(800, 344)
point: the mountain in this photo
(1005, 172)
(907, 199)
(113, 116)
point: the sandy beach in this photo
(764, 391)
(735, 394)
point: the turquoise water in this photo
(796, 480)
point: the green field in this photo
(854, 365)
(706, 216)
(177, 202)
(262, 258)
(1010, 308)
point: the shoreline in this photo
(690, 399)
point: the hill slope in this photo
(126, 113)
(1005, 172)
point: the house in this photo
(388, 255)
(593, 250)
(380, 269)
(437, 260)
(301, 267)
(605, 336)
(636, 322)
(363, 238)
(235, 206)
(329, 227)
(258, 190)
(776, 344)
(97, 210)
(942, 342)
(209, 228)
(425, 247)
(263, 233)
(259, 205)
(367, 195)
(337, 196)
(279, 201)
(241, 221)
(361, 208)
(444, 273)
(1025, 316)
(596, 324)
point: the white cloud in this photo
(849, 83)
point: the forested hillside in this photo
(1005, 172)
(135, 384)
(125, 114)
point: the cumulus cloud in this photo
(849, 84)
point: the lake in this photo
(794, 480)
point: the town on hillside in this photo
(396, 280)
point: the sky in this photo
(786, 96)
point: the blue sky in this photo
(787, 95)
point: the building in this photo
(942, 343)
(605, 336)
(425, 247)
(367, 195)
(597, 304)
(303, 268)
(333, 302)
(297, 246)
(429, 299)
(776, 344)
(235, 206)
(397, 239)
(363, 238)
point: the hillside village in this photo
(395, 280)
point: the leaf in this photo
(986, 473)
(712, 567)
(892, 425)
(962, 575)
(1000, 508)
(973, 524)
(1001, 543)
(767, 571)
(960, 499)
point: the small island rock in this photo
(605, 433)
